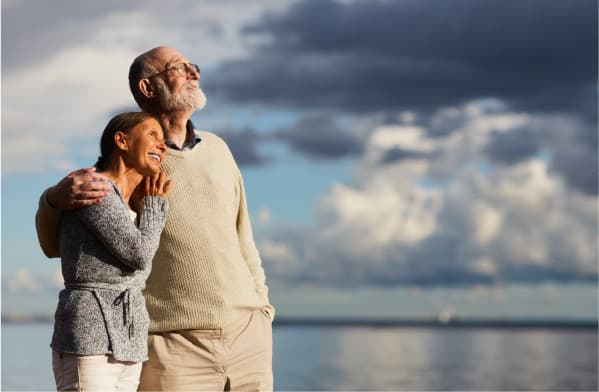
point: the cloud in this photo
(207, 31)
(37, 151)
(41, 125)
(570, 144)
(402, 142)
(244, 146)
(264, 216)
(65, 65)
(32, 30)
(446, 188)
(448, 218)
(574, 152)
(420, 55)
(24, 281)
(276, 251)
(321, 137)
(512, 146)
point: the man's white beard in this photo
(191, 97)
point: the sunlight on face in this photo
(146, 147)
(191, 96)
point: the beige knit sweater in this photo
(207, 272)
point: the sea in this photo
(389, 357)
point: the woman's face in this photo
(146, 147)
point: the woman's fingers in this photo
(147, 187)
(162, 184)
(159, 182)
(167, 188)
(154, 181)
(157, 185)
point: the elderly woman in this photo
(101, 323)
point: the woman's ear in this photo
(120, 141)
(146, 88)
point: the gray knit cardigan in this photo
(105, 262)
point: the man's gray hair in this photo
(140, 69)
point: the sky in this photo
(400, 157)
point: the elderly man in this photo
(210, 316)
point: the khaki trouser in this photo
(94, 373)
(235, 358)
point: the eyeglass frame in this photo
(187, 67)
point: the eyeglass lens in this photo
(187, 67)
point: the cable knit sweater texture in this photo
(207, 272)
(105, 261)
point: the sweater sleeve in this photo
(249, 250)
(111, 223)
(47, 220)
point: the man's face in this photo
(175, 91)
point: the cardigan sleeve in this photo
(111, 223)
(249, 250)
(47, 220)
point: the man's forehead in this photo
(166, 56)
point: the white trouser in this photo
(94, 373)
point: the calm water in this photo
(357, 358)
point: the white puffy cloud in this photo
(278, 252)
(264, 216)
(22, 280)
(379, 215)
(401, 136)
(451, 216)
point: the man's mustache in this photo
(192, 84)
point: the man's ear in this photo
(120, 141)
(146, 88)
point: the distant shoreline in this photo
(435, 323)
(382, 323)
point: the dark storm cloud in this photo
(320, 137)
(377, 55)
(244, 146)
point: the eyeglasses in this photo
(182, 69)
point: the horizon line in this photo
(379, 322)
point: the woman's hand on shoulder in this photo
(157, 185)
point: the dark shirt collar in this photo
(191, 138)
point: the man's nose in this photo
(193, 74)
